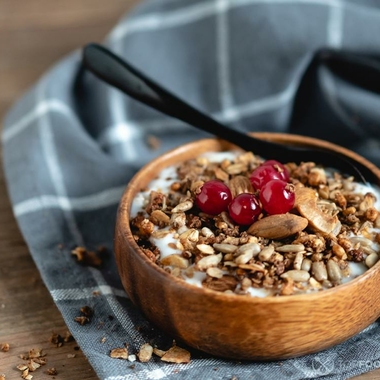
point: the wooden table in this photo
(33, 35)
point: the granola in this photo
(329, 235)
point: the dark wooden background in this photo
(33, 35)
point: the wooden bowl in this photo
(236, 326)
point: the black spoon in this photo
(118, 73)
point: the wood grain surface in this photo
(33, 35)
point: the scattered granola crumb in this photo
(56, 339)
(36, 353)
(145, 353)
(96, 293)
(176, 355)
(70, 356)
(86, 257)
(51, 371)
(153, 142)
(119, 353)
(87, 312)
(25, 375)
(159, 352)
(4, 347)
(82, 320)
(68, 337)
(103, 340)
(36, 359)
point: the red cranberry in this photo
(277, 197)
(214, 197)
(263, 174)
(280, 168)
(244, 209)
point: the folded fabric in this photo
(72, 143)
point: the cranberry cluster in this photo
(274, 195)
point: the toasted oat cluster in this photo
(328, 233)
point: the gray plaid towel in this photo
(71, 144)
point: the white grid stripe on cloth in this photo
(223, 60)
(85, 293)
(41, 108)
(335, 25)
(90, 202)
(193, 13)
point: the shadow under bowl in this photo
(240, 326)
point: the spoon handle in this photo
(118, 73)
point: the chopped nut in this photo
(25, 375)
(35, 353)
(287, 287)
(317, 176)
(278, 226)
(240, 184)
(184, 206)
(306, 204)
(32, 365)
(119, 353)
(175, 261)
(86, 257)
(159, 218)
(4, 347)
(221, 174)
(145, 353)
(82, 320)
(51, 371)
(159, 352)
(176, 354)
(223, 284)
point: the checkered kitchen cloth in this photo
(72, 143)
